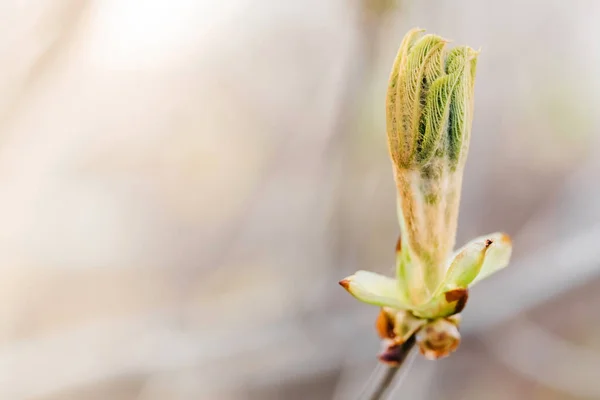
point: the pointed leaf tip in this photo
(476, 260)
(497, 255)
(375, 289)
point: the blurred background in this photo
(183, 183)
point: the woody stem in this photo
(387, 377)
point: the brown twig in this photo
(387, 377)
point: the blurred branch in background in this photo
(32, 41)
(556, 368)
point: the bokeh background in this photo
(183, 183)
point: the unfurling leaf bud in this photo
(429, 113)
(430, 101)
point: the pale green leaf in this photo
(375, 289)
(497, 256)
(465, 266)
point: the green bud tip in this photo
(430, 101)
